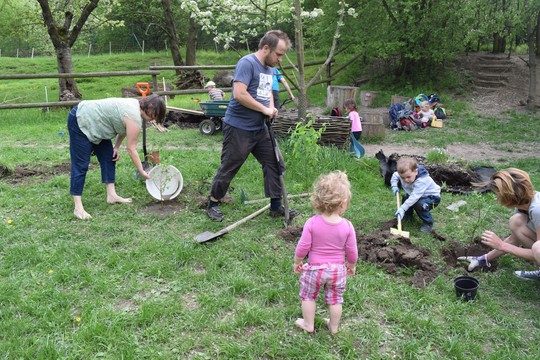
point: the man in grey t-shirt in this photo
(244, 128)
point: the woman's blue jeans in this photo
(81, 149)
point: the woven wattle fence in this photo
(336, 133)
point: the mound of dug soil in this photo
(396, 254)
(400, 257)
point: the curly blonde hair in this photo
(330, 191)
(513, 187)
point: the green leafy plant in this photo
(305, 140)
(438, 156)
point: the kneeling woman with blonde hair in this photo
(514, 189)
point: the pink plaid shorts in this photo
(332, 277)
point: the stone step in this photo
(492, 76)
(487, 89)
(494, 59)
(495, 67)
(489, 84)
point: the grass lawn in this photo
(132, 283)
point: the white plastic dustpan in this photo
(165, 182)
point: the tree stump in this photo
(336, 95)
(367, 97)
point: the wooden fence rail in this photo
(77, 75)
(154, 74)
(40, 105)
(154, 71)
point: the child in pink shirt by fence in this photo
(328, 240)
(356, 120)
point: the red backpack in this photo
(407, 124)
(335, 112)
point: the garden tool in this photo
(208, 235)
(144, 89)
(281, 167)
(398, 231)
(245, 201)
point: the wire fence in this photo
(110, 48)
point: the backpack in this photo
(394, 115)
(420, 98)
(434, 98)
(407, 124)
(440, 112)
(335, 112)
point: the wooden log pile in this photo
(190, 79)
(337, 130)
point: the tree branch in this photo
(49, 22)
(350, 61)
(85, 13)
(389, 12)
(332, 49)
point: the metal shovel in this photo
(208, 235)
(280, 165)
(144, 89)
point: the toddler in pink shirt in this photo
(329, 242)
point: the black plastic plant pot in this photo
(466, 287)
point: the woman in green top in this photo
(92, 124)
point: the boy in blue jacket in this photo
(422, 193)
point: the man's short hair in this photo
(272, 37)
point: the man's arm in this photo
(241, 95)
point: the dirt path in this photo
(468, 152)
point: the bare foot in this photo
(115, 199)
(332, 331)
(302, 325)
(81, 214)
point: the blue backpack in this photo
(395, 115)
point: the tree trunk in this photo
(499, 44)
(532, 39)
(171, 35)
(191, 46)
(63, 39)
(65, 65)
(537, 38)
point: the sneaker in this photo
(528, 275)
(215, 213)
(280, 212)
(427, 228)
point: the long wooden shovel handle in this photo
(398, 217)
(247, 218)
(266, 199)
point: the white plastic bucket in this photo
(165, 182)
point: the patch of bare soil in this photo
(193, 196)
(480, 152)
(25, 173)
(454, 177)
(400, 257)
(455, 250)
